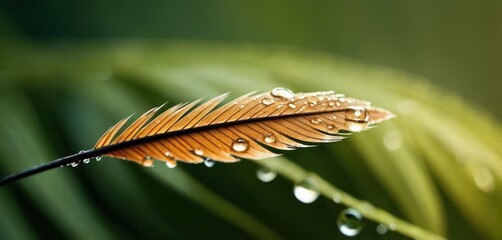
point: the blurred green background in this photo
(54, 55)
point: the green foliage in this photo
(437, 165)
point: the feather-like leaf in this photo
(247, 127)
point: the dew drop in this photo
(86, 161)
(316, 121)
(301, 108)
(393, 140)
(74, 164)
(198, 152)
(209, 162)
(330, 127)
(98, 158)
(393, 226)
(147, 161)
(265, 174)
(280, 106)
(312, 103)
(321, 99)
(171, 164)
(292, 106)
(308, 190)
(350, 222)
(167, 154)
(331, 104)
(240, 145)
(267, 101)
(269, 138)
(283, 93)
(381, 229)
(356, 114)
(338, 103)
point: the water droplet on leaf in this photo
(356, 114)
(283, 93)
(350, 222)
(267, 101)
(265, 174)
(308, 190)
(240, 145)
(269, 138)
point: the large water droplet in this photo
(356, 114)
(393, 140)
(283, 93)
(171, 164)
(240, 145)
(308, 190)
(267, 101)
(350, 222)
(381, 229)
(265, 174)
(198, 151)
(269, 138)
(209, 162)
(147, 161)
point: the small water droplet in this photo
(198, 151)
(171, 164)
(330, 127)
(393, 226)
(147, 161)
(269, 138)
(292, 106)
(167, 154)
(350, 222)
(381, 229)
(312, 103)
(316, 121)
(337, 197)
(283, 93)
(393, 140)
(242, 106)
(302, 108)
(338, 103)
(331, 104)
(240, 145)
(98, 158)
(308, 190)
(267, 101)
(280, 106)
(74, 164)
(321, 99)
(86, 161)
(209, 162)
(265, 174)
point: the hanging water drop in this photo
(350, 222)
(209, 162)
(316, 121)
(86, 161)
(308, 190)
(240, 145)
(283, 93)
(267, 101)
(198, 151)
(265, 174)
(381, 229)
(74, 164)
(355, 126)
(171, 164)
(98, 158)
(147, 161)
(269, 138)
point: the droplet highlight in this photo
(269, 138)
(356, 114)
(74, 164)
(355, 126)
(350, 222)
(98, 158)
(171, 164)
(267, 101)
(240, 145)
(308, 190)
(198, 152)
(283, 93)
(316, 121)
(209, 162)
(265, 174)
(86, 161)
(292, 106)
